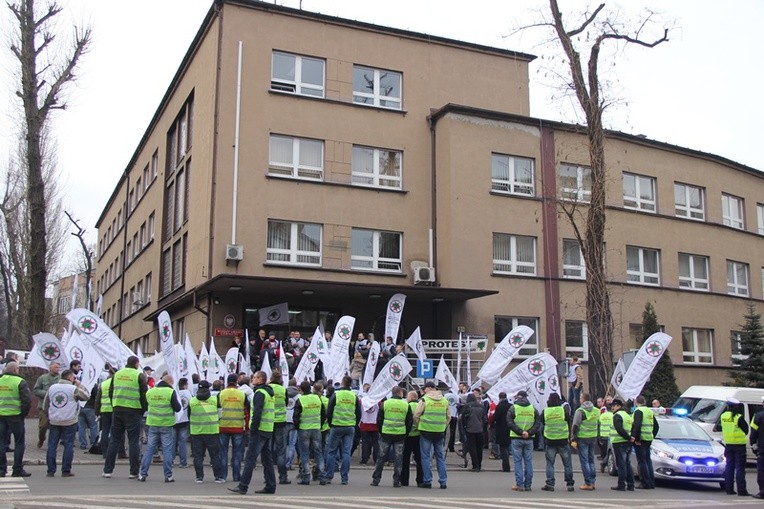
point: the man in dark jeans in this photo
(620, 437)
(644, 429)
(14, 407)
(474, 420)
(127, 393)
(502, 430)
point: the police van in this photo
(705, 404)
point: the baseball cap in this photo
(204, 384)
(617, 401)
(430, 385)
(148, 368)
(521, 394)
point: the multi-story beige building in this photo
(329, 163)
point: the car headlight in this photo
(661, 453)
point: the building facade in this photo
(329, 164)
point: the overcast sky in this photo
(701, 90)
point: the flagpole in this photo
(469, 365)
(459, 358)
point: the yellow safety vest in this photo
(434, 419)
(160, 412)
(731, 432)
(394, 422)
(10, 403)
(127, 391)
(310, 418)
(204, 416)
(232, 408)
(627, 422)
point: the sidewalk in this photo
(35, 456)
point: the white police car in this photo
(682, 451)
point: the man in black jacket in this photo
(474, 420)
(523, 423)
(757, 442)
(260, 438)
(502, 430)
(620, 437)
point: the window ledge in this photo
(336, 102)
(339, 184)
(336, 271)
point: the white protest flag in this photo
(503, 353)
(35, 359)
(274, 315)
(204, 362)
(180, 353)
(50, 349)
(231, 360)
(394, 372)
(215, 369)
(306, 368)
(393, 318)
(617, 378)
(459, 358)
(522, 376)
(191, 360)
(139, 353)
(371, 363)
(90, 361)
(540, 390)
(415, 343)
(469, 362)
(339, 354)
(103, 339)
(266, 367)
(245, 366)
(157, 364)
(167, 344)
(283, 364)
(324, 353)
(444, 375)
(643, 364)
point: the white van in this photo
(705, 404)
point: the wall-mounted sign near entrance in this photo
(476, 343)
(219, 331)
(229, 321)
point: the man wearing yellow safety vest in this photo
(280, 428)
(620, 437)
(233, 405)
(394, 420)
(556, 420)
(15, 402)
(260, 438)
(411, 445)
(431, 418)
(309, 417)
(163, 402)
(606, 424)
(644, 429)
(583, 436)
(734, 430)
(523, 423)
(343, 415)
(127, 393)
(205, 428)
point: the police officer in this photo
(127, 393)
(735, 435)
(394, 420)
(15, 402)
(643, 430)
(162, 402)
(620, 437)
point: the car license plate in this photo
(701, 470)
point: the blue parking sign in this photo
(424, 369)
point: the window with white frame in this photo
(638, 192)
(514, 254)
(377, 87)
(732, 211)
(64, 304)
(642, 265)
(376, 250)
(512, 174)
(737, 278)
(736, 347)
(689, 202)
(693, 272)
(504, 324)
(760, 217)
(697, 346)
(294, 243)
(576, 339)
(576, 183)
(573, 265)
(297, 74)
(377, 167)
(296, 157)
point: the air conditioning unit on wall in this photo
(424, 275)
(234, 252)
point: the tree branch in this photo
(586, 23)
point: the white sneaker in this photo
(219, 480)
(199, 481)
(106, 475)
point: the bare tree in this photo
(86, 264)
(41, 91)
(589, 225)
